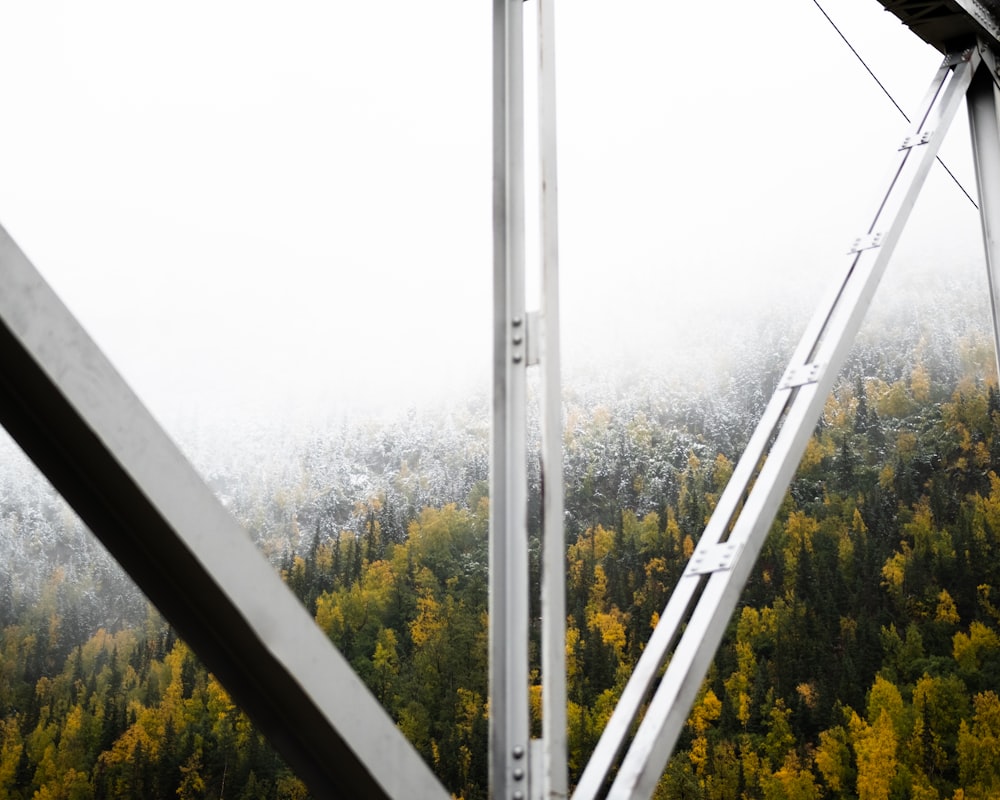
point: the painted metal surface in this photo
(75, 417)
(508, 583)
(555, 780)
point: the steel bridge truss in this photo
(76, 418)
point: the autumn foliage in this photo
(863, 661)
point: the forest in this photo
(863, 660)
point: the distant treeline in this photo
(863, 661)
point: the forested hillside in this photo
(863, 661)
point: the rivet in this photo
(517, 358)
(517, 321)
(518, 774)
(518, 751)
(518, 338)
(518, 795)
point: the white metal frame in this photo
(509, 730)
(520, 768)
(555, 779)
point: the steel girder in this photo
(949, 24)
(75, 417)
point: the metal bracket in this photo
(989, 60)
(800, 375)
(916, 139)
(531, 336)
(517, 335)
(867, 242)
(954, 59)
(713, 558)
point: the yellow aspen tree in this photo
(845, 548)
(967, 649)
(722, 471)
(779, 741)
(990, 510)
(11, 747)
(840, 409)
(579, 737)
(385, 661)
(875, 754)
(896, 402)
(885, 696)
(288, 787)
(946, 611)
(470, 710)
(673, 530)
(649, 536)
(608, 621)
(723, 782)
(75, 738)
(833, 759)
(574, 657)
(799, 531)
(939, 705)
(819, 448)
(706, 710)
(920, 383)
(738, 684)
(192, 784)
(793, 781)
(979, 748)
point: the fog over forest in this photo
(275, 220)
(377, 522)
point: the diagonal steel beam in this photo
(76, 418)
(709, 590)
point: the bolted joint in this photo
(916, 139)
(954, 59)
(868, 241)
(517, 336)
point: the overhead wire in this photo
(881, 86)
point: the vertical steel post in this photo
(985, 133)
(508, 586)
(555, 780)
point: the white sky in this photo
(257, 206)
